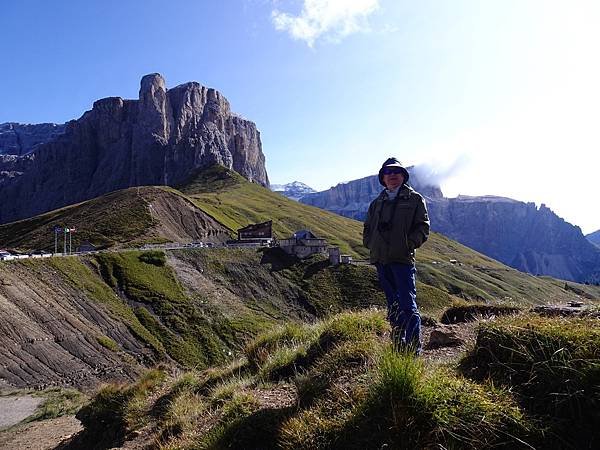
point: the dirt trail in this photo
(44, 435)
(14, 409)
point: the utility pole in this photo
(66, 230)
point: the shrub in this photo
(156, 258)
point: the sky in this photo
(495, 97)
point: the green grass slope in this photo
(530, 382)
(235, 202)
(125, 218)
(116, 218)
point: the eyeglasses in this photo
(391, 170)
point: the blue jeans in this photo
(399, 284)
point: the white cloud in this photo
(333, 19)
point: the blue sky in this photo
(497, 97)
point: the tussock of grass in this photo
(469, 312)
(552, 363)
(353, 326)
(117, 409)
(292, 348)
(108, 343)
(283, 363)
(213, 375)
(226, 390)
(289, 335)
(181, 414)
(58, 402)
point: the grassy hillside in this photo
(116, 218)
(336, 384)
(125, 218)
(134, 216)
(235, 202)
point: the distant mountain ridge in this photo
(159, 139)
(352, 199)
(516, 233)
(519, 234)
(294, 190)
(594, 238)
(21, 139)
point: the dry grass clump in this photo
(469, 312)
(553, 363)
(117, 410)
(398, 404)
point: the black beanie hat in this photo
(393, 162)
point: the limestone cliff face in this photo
(352, 199)
(161, 138)
(518, 234)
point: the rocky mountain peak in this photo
(161, 138)
(151, 83)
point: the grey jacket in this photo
(393, 229)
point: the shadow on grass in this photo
(259, 430)
(277, 258)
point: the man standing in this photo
(397, 223)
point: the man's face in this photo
(392, 177)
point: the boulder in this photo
(445, 336)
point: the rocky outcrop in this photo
(352, 199)
(12, 166)
(21, 139)
(159, 139)
(52, 333)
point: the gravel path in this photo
(44, 435)
(15, 409)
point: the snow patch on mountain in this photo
(294, 190)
